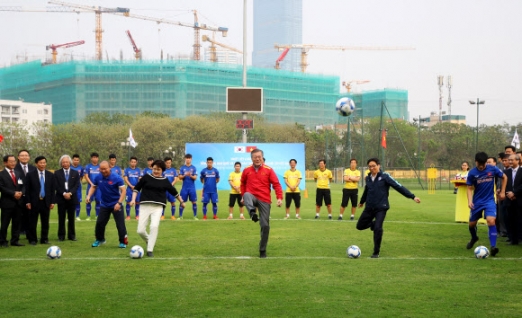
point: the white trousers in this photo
(152, 212)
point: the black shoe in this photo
(494, 251)
(262, 254)
(503, 234)
(5, 244)
(329, 217)
(44, 242)
(254, 217)
(32, 243)
(508, 240)
(73, 239)
(375, 256)
(150, 254)
(471, 243)
(17, 244)
(340, 218)
(317, 216)
(61, 239)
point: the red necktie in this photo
(13, 177)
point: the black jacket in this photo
(153, 190)
(376, 192)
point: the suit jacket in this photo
(515, 187)
(8, 189)
(32, 188)
(72, 185)
(20, 170)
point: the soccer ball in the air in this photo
(136, 252)
(481, 252)
(353, 251)
(54, 252)
(345, 106)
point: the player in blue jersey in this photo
(209, 176)
(112, 164)
(131, 176)
(172, 175)
(91, 171)
(188, 175)
(148, 169)
(78, 167)
(481, 190)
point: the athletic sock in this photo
(163, 212)
(492, 235)
(204, 210)
(173, 210)
(473, 231)
(181, 211)
(127, 209)
(88, 208)
(214, 209)
(137, 209)
(97, 208)
(78, 209)
(317, 214)
(195, 209)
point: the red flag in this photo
(250, 148)
(383, 140)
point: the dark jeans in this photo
(373, 218)
(103, 219)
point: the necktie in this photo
(42, 185)
(25, 169)
(66, 175)
(13, 177)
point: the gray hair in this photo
(64, 157)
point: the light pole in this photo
(478, 102)
(418, 155)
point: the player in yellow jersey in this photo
(292, 179)
(351, 179)
(323, 177)
(234, 179)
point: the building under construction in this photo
(183, 88)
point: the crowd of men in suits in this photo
(29, 192)
(510, 209)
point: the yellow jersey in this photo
(235, 178)
(351, 173)
(323, 178)
(292, 177)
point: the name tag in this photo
(20, 181)
(66, 186)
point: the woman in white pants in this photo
(153, 189)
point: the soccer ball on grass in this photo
(353, 251)
(54, 252)
(481, 252)
(136, 252)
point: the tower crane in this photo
(281, 58)
(213, 55)
(348, 84)
(98, 21)
(306, 47)
(137, 52)
(53, 47)
(196, 26)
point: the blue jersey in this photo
(209, 177)
(170, 174)
(80, 170)
(109, 188)
(116, 170)
(188, 183)
(133, 176)
(92, 171)
(146, 171)
(484, 183)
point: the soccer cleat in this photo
(78, 219)
(180, 218)
(149, 254)
(317, 216)
(262, 254)
(137, 217)
(230, 217)
(375, 256)
(88, 218)
(204, 217)
(494, 251)
(127, 218)
(241, 217)
(162, 217)
(122, 245)
(126, 240)
(298, 217)
(255, 218)
(329, 217)
(340, 218)
(97, 243)
(215, 217)
(196, 218)
(471, 243)
(173, 218)
(352, 217)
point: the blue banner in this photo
(225, 155)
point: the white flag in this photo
(132, 142)
(239, 149)
(515, 142)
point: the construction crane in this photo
(281, 58)
(53, 47)
(40, 9)
(98, 21)
(196, 26)
(348, 84)
(306, 47)
(213, 55)
(137, 52)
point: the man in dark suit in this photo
(11, 202)
(39, 198)
(514, 199)
(67, 182)
(23, 167)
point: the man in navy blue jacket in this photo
(375, 196)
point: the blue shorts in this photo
(128, 196)
(490, 209)
(210, 196)
(189, 193)
(79, 193)
(96, 195)
(170, 198)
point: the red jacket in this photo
(258, 183)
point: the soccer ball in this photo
(345, 106)
(136, 252)
(481, 252)
(54, 252)
(353, 251)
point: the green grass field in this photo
(212, 269)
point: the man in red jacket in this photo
(256, 181)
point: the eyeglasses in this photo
(372, 166)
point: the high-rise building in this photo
(280, 22)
